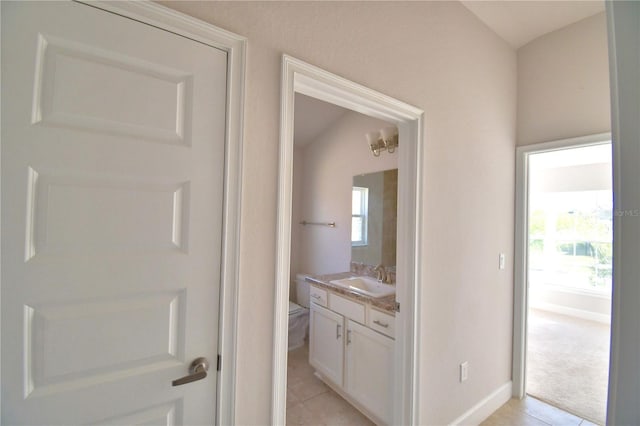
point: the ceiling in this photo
(519, 22)
(312, 117)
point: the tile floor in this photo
(532, 412)
(310, 401)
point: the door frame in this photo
(301, 77)
(624, 73)
(235, 46)
(520, 293)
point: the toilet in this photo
(299, 314)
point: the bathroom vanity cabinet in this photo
(349, 355)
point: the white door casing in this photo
(623, 30)
(304, 78)
(113, 139)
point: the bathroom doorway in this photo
(300, 78)
(566, 254)
(344, 221)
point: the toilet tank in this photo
(302, 290)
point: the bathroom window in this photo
(359, 207)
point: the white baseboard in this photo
(483, 409)
(571, 312)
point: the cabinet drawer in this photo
(318, 296)
(382, 322)
(346, 307)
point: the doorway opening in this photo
(565, 274)
(299, 78)
(344, 223)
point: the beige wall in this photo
(328, 166)
(439, 57)
(563, 83)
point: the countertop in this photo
(386, 304)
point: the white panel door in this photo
(369, 368)
(326, 343)
(112, 188)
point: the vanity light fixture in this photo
(385, 138)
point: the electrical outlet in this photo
(464, 371)
(501, 261)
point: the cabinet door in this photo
(326, 347)
(369, 367)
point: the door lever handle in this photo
(198, 371)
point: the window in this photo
(359, 207)
(570, 239)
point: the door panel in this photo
(52, 329)
(112, 187)
(369, 365)
(326, 347)
(88, 213)
(164, 414)
(66, 90)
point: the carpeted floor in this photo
(568, 363)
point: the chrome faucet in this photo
(382, 273)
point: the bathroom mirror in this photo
(374, 218)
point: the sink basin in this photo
(366, 285)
